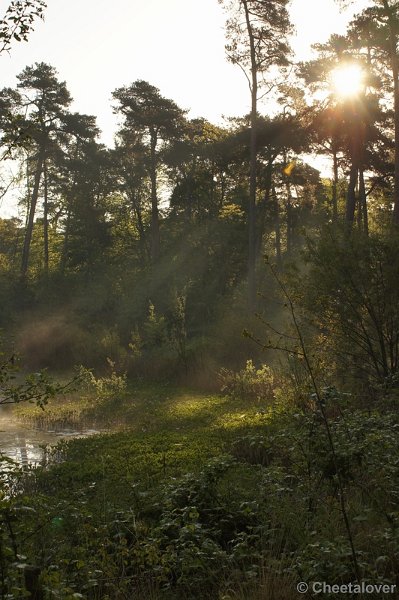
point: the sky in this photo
(176, 45)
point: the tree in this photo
(157, 120)
(83, 179)
(280, 140)
(18, 21)
(198, 166)
(129, 159)
(257, 33)
(16, 24)
(380, 22)
(45, 100)
(348, 128)
(352, 292)
(327, 117)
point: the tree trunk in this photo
(395, 74)
(290, 225)
(28, 193)
(351, 195)
(31, 218)
(253, 161)
(136, 204)
(65, 245)
(155, 239)
(335, 187)
(396, 110)
(277, 229)
(363, 203)
(261, 209)
(45, 221)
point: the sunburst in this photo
(347, 80)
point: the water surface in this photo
(23, 443)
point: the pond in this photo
(23, 443)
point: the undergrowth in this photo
(205, 497)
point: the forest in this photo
(222, 308)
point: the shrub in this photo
(250, 382)
(351, 293)
(104, 388)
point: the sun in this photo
(347, 80)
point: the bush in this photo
(105, 388)
(249, 383)
(351, 294)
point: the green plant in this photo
(36, 388)
(104, 388)
(250, 382)
(351, 294)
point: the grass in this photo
(154, 432)
(221, 496)
(158, 435)
(146, 407)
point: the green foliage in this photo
(18, 20)
(178, 330)
(250, 382)
(106, 388)
(202, 496)
(352, 293)
(193, 507)
(37, 388)
(154, 328)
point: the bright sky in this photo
(176, 45)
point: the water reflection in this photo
(23, 444)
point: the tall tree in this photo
(157, 120)
(257, 32)
(197, 166)
(129, 159)
(82, 179)
(346, 127)
(380, 23)
(71, 175)
(45, 100)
